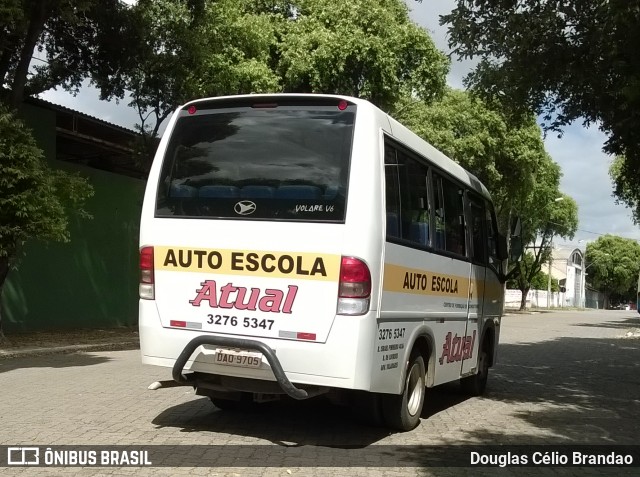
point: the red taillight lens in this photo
(355, 279)
(146, 265)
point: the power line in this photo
(596, 233)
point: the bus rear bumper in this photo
(191, 379)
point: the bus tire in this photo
(475, 385)
(402, 412)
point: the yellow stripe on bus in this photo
(310, 266)
(424, 282)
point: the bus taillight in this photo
(146, 288)
(355, 287)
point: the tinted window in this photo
(392, 192)
(283, 163)
(478, 225)
(406, 196)
(414, 200)
(449, 214)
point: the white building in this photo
(567, 266)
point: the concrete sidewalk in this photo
(50, 342)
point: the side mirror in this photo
(502, 248)
(516, 227)
(517, 247)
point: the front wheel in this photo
(403, 411)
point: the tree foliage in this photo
(531, 277)
(364, 48)
(566, 60)
(193, 48)
(625, 191)
(35, 200)
(181, 50)
(506, 159)
(511, 161)
(74, 39)
(613, 266)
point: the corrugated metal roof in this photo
(58, 107)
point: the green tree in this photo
(625, 191)
(505, 158)
(75, 37)
(35, 200)
(364, 48)
(185, 49)
(528, 280)
(546, 219)
(565, 60)
(510, 161)
(613, 266)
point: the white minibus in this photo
(300, 244)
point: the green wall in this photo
(92, 281)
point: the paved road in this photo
(563, 378)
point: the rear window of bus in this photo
(265, 162)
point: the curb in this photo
(41, 351)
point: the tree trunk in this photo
(523, 300)
(4, 271)
(37, 19)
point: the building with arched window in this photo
(567, 266)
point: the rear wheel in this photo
(475, 385)
(403, 411)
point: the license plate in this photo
(243, 359)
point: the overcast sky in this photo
(579, 151)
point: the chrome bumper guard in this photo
(276, 367)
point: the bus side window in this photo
(478, 225)
(492, 237)
(392, 194)
(449, 214)
(415, 212)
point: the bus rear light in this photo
(355, 287)
(146, 288)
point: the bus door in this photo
(450, 283)
(477, 252)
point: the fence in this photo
(538, 299)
